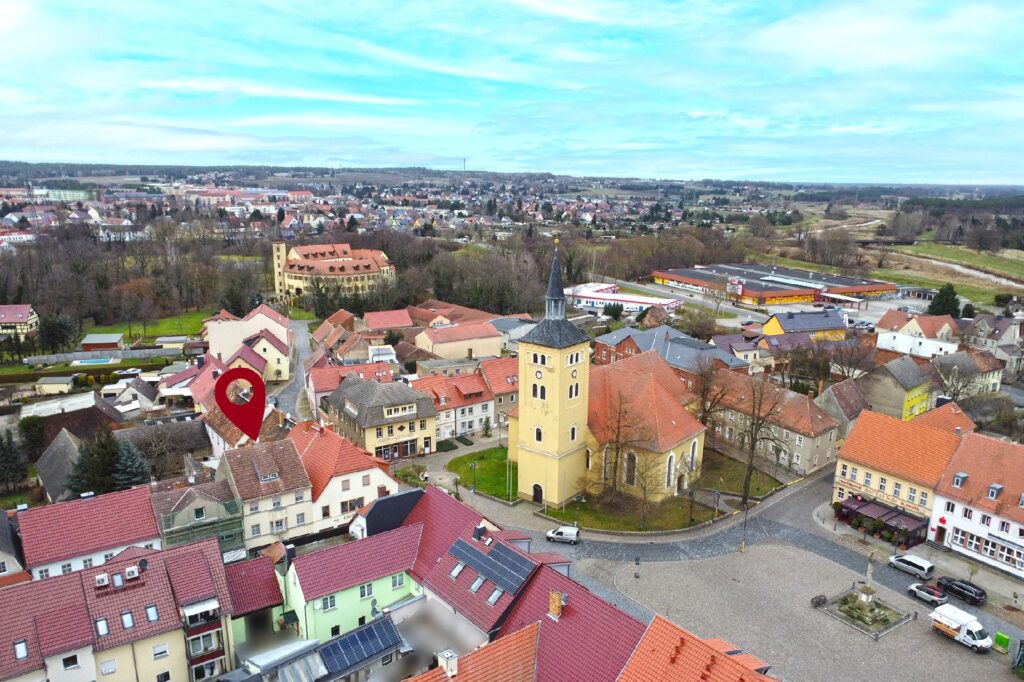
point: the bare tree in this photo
(648, 477)
(710, 391)
(958, 376)
(621, 434)
(852, 357)
(761, 403)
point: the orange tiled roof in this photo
(947, 418)
(501, 374)
(796, 411)
(906, 449)
(668, 652)
(484, 330)
(325, 454)
(512, 658)
(987, 460)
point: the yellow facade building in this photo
(822, 325)
(567, 433)
(336, 265)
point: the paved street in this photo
(288, 395)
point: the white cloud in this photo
(213, 85)
(865, 129)
(501, 70)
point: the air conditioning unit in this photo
(131, 572)
(102, 580)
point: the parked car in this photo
(830, 307)
(913, 564)
(130, 372)
(745, 323)
(928, 593)
(818, 304)
(961, 589)
(570, 534)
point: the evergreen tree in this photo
(945, 302)
(96, 465)
(968, 311)
(132, 469)
(13, 466)
(31, 431)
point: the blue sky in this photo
(893, 91)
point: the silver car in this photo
(927, 593)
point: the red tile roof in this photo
(77, 527)
(270, 338)
(322, 331)
(466, 332)
(443, 519)
(501, 374)
(388, 319)
(268, 312)
(905, 449)
(591, 640)
(668, 652)
(247, 355)
(794, 411)
(510, 659)
(456, 391)
(341, 317)
(279, 462)
(340, 567)
(202, 386)
(987, 460)
(326, 379)
(253, 585)
(325, 454)
(948, 418)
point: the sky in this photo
(896, 91)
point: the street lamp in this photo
(743, 545)
(472, 467)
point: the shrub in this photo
(410, 475)
(836, 506)
(887, 536)
(613, 310)
(445, 445)
(1003, 299)
(464, 440)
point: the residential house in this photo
(54, 385)
(322, 381)
(226, 335)
(968, 373)
(512, 329)
(512, 658)
(917, 346)
(464, 404)
(342, 475)
(800, 437)
(224, 435)
(11, 561)
(822, 325)
(171, 441)
(457, 314)
(888, 469)
(79, 534)
(1002, 336)
(900, 388)
(80, 413)
(843, 402)
(18, 319)
(137, 395)
(148, 615)
(274, 489)
(256, 600)
(202, 383)
(337, 589)
(949, 418)
(746, 349)
(187, 511)
(979, 503)
(391, 420)
(668, 652)
(56, 464)
(686, 355)
(941, 328)
(386, 320)
(103, 342)
(365, 651)
(464, 341)
(502, 378)
(384, 513)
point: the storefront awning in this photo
(904, 521)
(873, 510)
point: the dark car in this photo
(961, 589)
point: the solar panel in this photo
(369, 641)
(502, 566)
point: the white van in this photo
(570, 534)
(913, 564)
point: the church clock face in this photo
(539, 374)
(574, 374)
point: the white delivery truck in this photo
(961, 626)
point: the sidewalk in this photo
(1001, 587)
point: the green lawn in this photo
(1000, 265)
(671, 514)
(978, 294)
(490, 471)
(725, 473)
(177, 325)
(301, 314)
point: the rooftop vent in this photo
(448, 660)
(479, 531)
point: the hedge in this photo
(445, 446)
(463, 440)
(29, 377)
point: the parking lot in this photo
(760, 601)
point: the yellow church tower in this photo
(548, 435)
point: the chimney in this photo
(280, 418)
(448, 661)
(821, 386)
(810, 394)
(556, 603)
(200, 361)
(957, 430)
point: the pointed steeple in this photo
(554, 300)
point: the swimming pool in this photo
(95, 361)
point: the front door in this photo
(538, 493)
(940, 535)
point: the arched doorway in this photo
(538, 493)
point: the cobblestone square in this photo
(760, 601)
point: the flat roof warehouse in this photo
(771, 284)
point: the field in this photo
(725, 473)
(491, 467)
(177, 325)
(1010, 266)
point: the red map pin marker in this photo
(248, 417)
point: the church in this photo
(625, 425)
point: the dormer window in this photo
(21, 649)
(958, 479)
(993, 491)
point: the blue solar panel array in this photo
(370, 641)
(502, 566)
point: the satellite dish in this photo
(373, 608)
(143, 564)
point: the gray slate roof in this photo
(388, 513)
(559, 333)
(8, 541)
(679, 350)
(811, 321)
(907, 372)
(56, 462)
(507, 324)
(103, 338)
(144, 388)
(54, 380)
(371, 397)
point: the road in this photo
(288, 396)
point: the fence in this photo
(101, 354)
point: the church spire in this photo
(554, 300)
